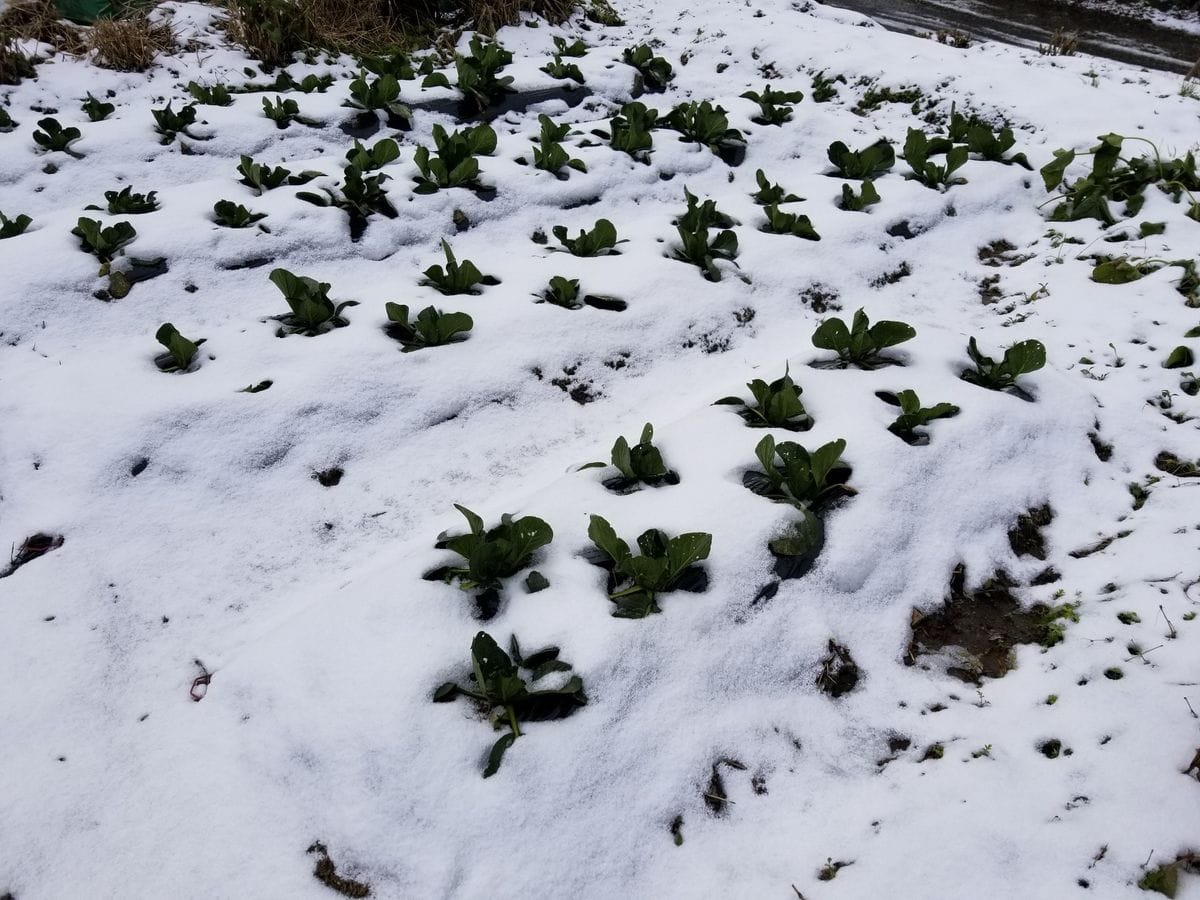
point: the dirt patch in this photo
(839, 672)
(31, 548)
(1026, 536)
(326, 873)
(715, 797)
(983, 625)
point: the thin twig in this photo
(1174, 633)
(1192, 711)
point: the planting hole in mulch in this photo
(1026, 538)
(31, 548)
(839, 672)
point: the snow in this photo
(307, 603)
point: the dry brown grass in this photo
(14, 65)
(130, 45)
(38, 20)
(275, 29)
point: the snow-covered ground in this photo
(307, 603)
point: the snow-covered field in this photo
(306, 604)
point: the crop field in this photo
(702, 450)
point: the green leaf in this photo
(686, 550)
(535, 581)
(605, 538)
(621, 458)
(1053, 171)
(1181, 358)
(497, 754)
(832, 334)
(474, 521)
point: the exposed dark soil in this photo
(326, 873)
(839, 672)
(31, 548)
(986, 623)
(1026, 538)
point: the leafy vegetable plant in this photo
(562, 292)
(51, 136)
(491, 554)
(169, 123)
(455, 164)
(216, 95)
(867, 163)
(180, 351)
(982, 139)
(1019, 359)
(653, 72)
(126, 203)
(600, 241)
(801, 478)
(13, 227)
(771, 194)
(775, 107)
(867, 196)
(7, 122)
(368, 159)
(695, 245)
(777, 405)
(430, 327)
(509, 699)
(358, 196)
(103, 243)
(1115, 178)
(97, 110)
(823, 89)
(556, 68)
(549, 154)
(918, 147)
(640, 464)
(862, 343)
(265, 178)
(630, 130)
(397, 64)
(282, 111)
(478, 74)
(234, 215)
(312, 312)
(780, 222)
(705, 124)
(576, 49)
(380, 95)
(807, 481)
(913, 415)
(456, 277)
(664, 564)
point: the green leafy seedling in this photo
(636, 581)
(216, 95)
(312, 312)
(771, 194)
(96, 110)
(918, 147)
(1019, 359)
(380, 95)
(496, 684)
(282, 111)
(867, 196)
(169, 123)
(233, 215)
(640, 464)
(430, 327)
(775, 107)
(13, 227)
(180, 351)
(777, 404)
(705, 124)
(478, 75)
(862, 343)
(103, 243)
(126, 203)
(549, 154)
(1180, 358)
(557, 68)
(981, 138)
(52, 137)
(456, 277)
(492, 554)
(913, 415)
(630, 130)
(562, 292)
(696, 247)
(359, 196)
(653, 72)
(576, 49)
(396, 64)
(369, 159)
(860, 165)
(455, 164)
(780, 222)
(601, 240)
(803, 479)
